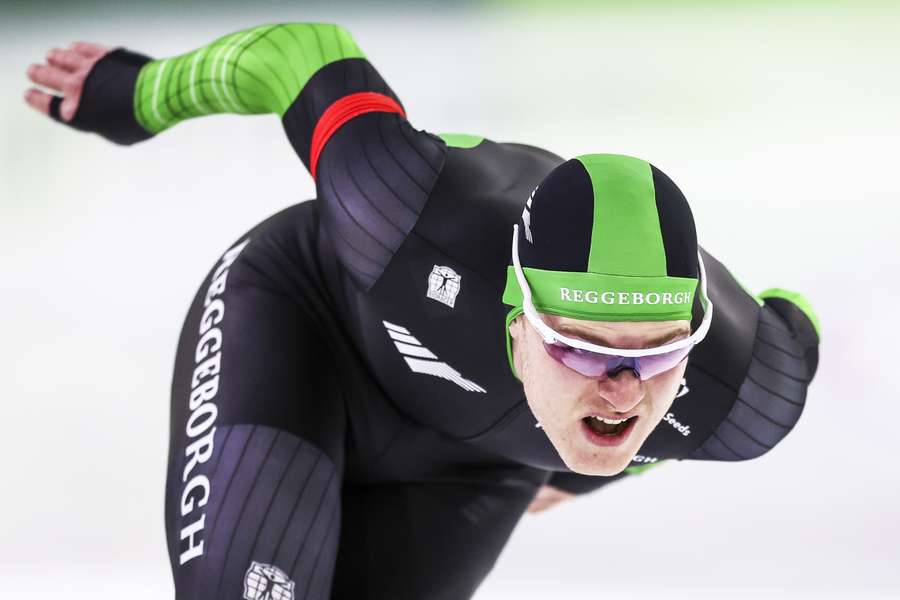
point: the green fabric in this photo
(638, 469)
(509, 351)
(461, 140)
(626, 238)
(598, 297)
(255, 71)
(800, 301)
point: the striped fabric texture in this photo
(255, 71)
(771, 398)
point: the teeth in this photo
(609, 421)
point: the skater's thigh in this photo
(257, 434)
(429, 539)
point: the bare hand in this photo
(548, 497)
(64, 72)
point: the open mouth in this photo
(607, 432)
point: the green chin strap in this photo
(599, 297)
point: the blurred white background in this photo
(778, 120)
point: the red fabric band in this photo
(342, 111)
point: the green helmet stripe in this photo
(626, 238)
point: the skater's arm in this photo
(373, 170)
(254, 71)
(772, 394)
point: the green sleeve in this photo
(255, 71)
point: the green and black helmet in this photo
(607, 237)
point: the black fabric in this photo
(676, 224)
(727, 348)
(374, 178)
(374, 173)
(475, 201)
(773, 394)
(770, 400)
(801, 328)
(437, 538)
(312, 468)
(561, 221)
(275, 499)
(327, 85)
(106, 106)
(582, 484)
(53, 111)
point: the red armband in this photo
(342, 111)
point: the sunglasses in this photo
(598, 364)
(593, 360)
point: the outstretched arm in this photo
(374, 172)
(255, 71)
(261, 70)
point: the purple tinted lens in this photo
(597, 364)
(650, 366)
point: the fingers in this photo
(64, 72)
(542, 504)
(538, 506)
(65, 68)
(89, 50)
(51, 77)
(38, 100)
(546, 497)
(67, 60)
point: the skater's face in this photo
(565, 402)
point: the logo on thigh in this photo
(267, 582)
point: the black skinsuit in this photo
(360, 439)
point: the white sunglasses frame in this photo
(551, 336)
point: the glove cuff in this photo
(106, 106)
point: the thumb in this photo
(68, 106)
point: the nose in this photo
(621, 389)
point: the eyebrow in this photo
(596, 339)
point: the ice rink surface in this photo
(780, 123)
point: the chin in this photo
(605, 465)
(586, 455)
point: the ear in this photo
(515, 352)
(515, 327)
